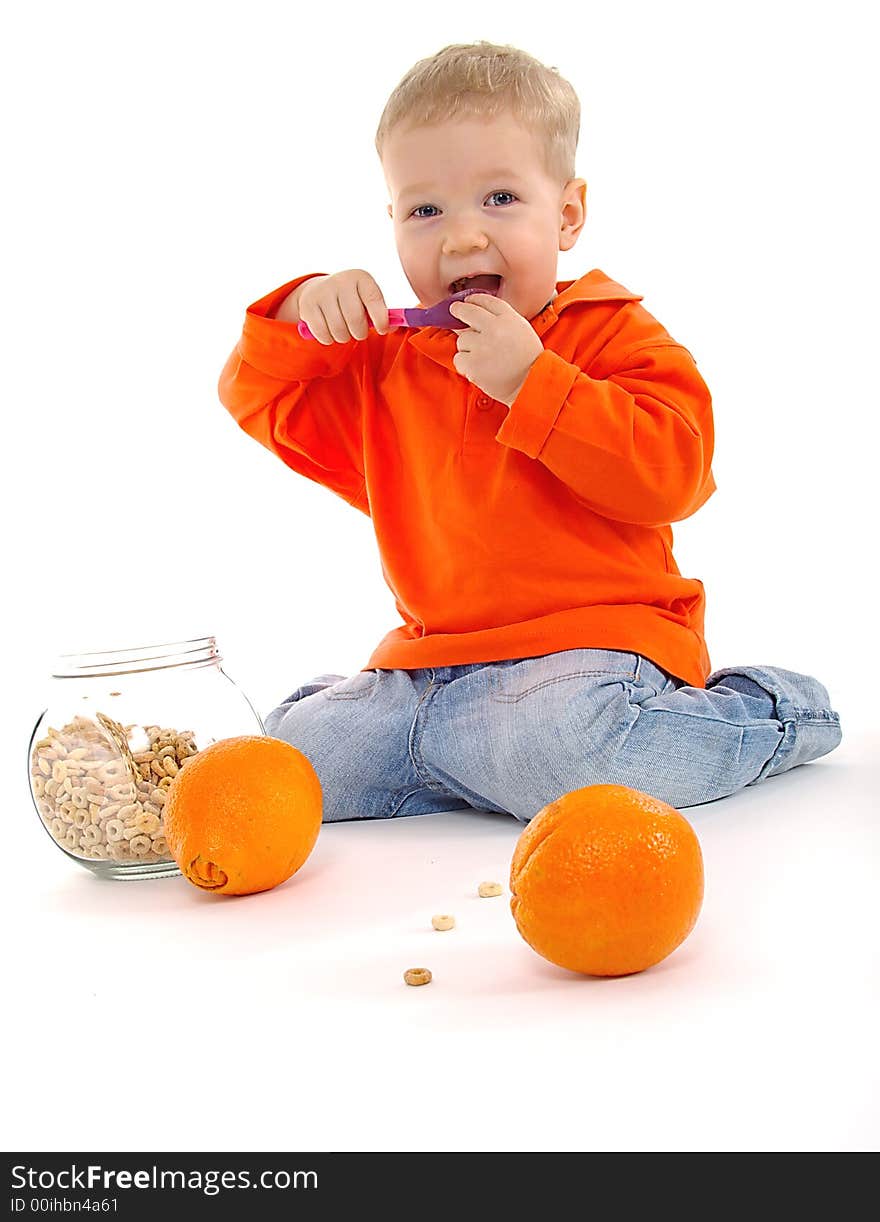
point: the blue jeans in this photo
(512, 736)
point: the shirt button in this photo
(483, 403)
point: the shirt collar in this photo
(439, 343)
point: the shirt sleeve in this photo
(300, 399)
(635, 446)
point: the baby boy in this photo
(521, 472)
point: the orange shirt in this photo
(503, 533)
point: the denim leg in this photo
(800, 703)
(515, 736)
(691, 745)
(356, 732)
(273, 721)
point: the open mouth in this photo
(479, 284)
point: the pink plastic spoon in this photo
(434, 316)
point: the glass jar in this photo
(118, 728)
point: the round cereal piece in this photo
(122, 791)
(148, 823)
(114, 829)
(487, 889)
(443, 922)
(417, 975)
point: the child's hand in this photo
(498, 347)
(335, 308)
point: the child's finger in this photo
(337, 324)
(353, 312)
(317, 324)
(374, 303)
(469, 314)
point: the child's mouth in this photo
(482, 283)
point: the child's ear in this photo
(574, 212)
(390, 213)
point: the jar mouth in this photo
(198, 652)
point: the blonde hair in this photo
(482, 80)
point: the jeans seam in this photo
(497, 692)
(362, 693)
(724, 721)
(416, 734)
(395, 808)
(783, 748)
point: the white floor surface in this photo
(151, 1016)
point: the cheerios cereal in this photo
(97, 797)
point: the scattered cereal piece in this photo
(487, 889)
(417, 975)
(443, 922)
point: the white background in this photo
(171, 163)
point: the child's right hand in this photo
(338, 308)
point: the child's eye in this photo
(420, 210)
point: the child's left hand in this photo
(498, 347)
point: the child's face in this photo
(472, 195)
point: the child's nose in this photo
(460, 238)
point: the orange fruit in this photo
(606, 880)
(243, 815)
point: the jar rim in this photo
(197, 652)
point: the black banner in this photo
(390, 1185)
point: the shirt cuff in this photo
(542, 396)
(276, 348)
